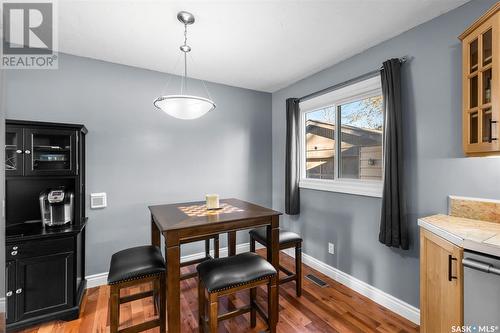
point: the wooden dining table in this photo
(181, 223)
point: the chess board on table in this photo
(201, 210)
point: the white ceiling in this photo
(262, 45)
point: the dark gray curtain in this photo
(393, 224)
(292, 163)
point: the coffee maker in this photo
(56, 206)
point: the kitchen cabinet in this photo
(45, 266)
(441, 284)
(44, 279)
(35, 150)
(480, 84)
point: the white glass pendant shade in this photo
(184, 106)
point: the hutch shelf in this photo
(480, 82)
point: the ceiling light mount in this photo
(185, 18)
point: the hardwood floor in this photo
(335, 308)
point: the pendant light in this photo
(184, 106)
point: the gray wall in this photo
(435, 165)
(141, 156)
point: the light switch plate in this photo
(98, 200)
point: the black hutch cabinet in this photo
(45, 266)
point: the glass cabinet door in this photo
(480, 116)
(50, 152)
(13, 151)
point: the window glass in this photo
(320, 143)
(362, 123)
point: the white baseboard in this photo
(96, 280)
(101, 279)
(2, 305)
(392, 303)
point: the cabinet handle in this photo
(9, 293)
(491, 130)
(13, 253)
(27, 151)
(15, 248)
(19, 151)
(18, 291)
(450, 264)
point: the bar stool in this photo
(132, 267)
(288, 240)
(224, 276)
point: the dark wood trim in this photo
(194, 261)
(231, 243)
(158, 289)
(134, 297)
(213, 298)
(172, 254)
(178, 228)
(34, 124)
(155, 234)
(290, 276)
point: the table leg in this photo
(172, 253)
(273, 257)
(155, 233)
(231, 243)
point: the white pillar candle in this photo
(212, 201)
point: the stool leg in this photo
(213, 310)
(216, 246)
(253, 311)
(201, 306)
(207, 247)
(163, 303)
(252, 244)
(298, 269)
(114, 308)
(156, 290)
(272, 321)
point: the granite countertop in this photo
(467, 233)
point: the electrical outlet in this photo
(331, 248)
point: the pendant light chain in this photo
(185, 49)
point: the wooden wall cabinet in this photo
(481, 85)
(441, 284)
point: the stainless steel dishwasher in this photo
(481, 291)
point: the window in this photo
(349, 160)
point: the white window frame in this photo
(356, 91)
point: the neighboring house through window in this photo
(349, 160)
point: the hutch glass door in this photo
(50, 152)
(14, 151)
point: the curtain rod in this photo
(365, 76)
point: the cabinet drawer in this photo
(39, 248)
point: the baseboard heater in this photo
(317, 280)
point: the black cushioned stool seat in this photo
(135, 262)
(287, 239)
(224, 276)
(225, 273)
(131, 267)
